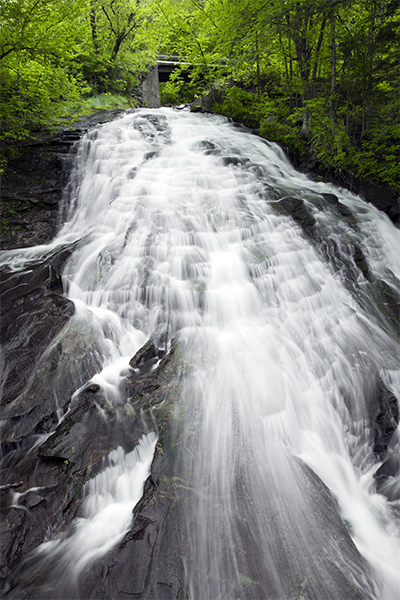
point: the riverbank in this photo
(254, 316)
(34, 183)
(383, 197)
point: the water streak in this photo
(177, 229)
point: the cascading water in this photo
(178, 226)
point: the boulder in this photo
(296, 208)
(147, 563)
(33, 311)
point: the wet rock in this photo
(388, 302)
(150, 155)
(92, 388)
(32, 188)
(150, 124)
(390, 468)
(12, 536)
(336, 547)
(49, 493)
(208, 147)
(386, 420)
(361, 262)
(32, 313)
(34, 182)
(234, 161)
(151, 389)
(144, 356)
(331, 199)
(31, 500)
(387, 477)
(55, 378)
(91, 430)
(147, 563)
(381, 196)
(91, 121)
(24, 525)
(295, 208)
(340, 208)
(205, 103)
(52, 477)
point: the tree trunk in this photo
(116, 48)
(333, 100)
(371, 60)
(258, 78)
(305, 129)
(332, 103)
(317, 53)
(93, 25)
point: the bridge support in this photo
(151, 89)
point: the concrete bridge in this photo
(161, 72)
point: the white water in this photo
(109, 499)
(283, 359)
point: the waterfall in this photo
(182, 230)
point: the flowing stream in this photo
(177, 229)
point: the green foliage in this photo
(170, 94)
(282, 133)
(184, 86)
(277, 124)
(328, 139)
(318, 77)
(37, 45)
(378, 158)
(30, 94)
(239, 104)
(119, 45)
(54, 54)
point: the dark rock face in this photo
(41, 489)
(387, 442)
(33, 311)
(346, 258)
(386, 420)
(85, 436)
(295, 208)
(389, 303)
(379, 195)
(146, 560)
(144, 358)
(33, 184)
(146, 564)
(32, 188)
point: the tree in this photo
(39, 41)
(118, 47)
(320, 77)
(54, 51)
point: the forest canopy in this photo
(54, 53)
(321, 78)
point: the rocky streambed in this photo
(46, 464)
(54, 439)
